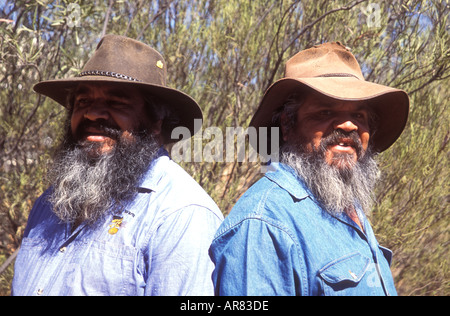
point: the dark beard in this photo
(86, 187)
(336, 189)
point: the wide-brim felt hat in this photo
(331, 70)
(119, 59)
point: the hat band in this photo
(338, 75)
(106, 74)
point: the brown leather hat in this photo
(123, 60)
(332, 70)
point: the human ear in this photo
(157, 127)
(283, 124)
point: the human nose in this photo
(345, 123)
(97, 110)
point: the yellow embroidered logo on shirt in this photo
(115, 225)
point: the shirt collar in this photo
(155, 171)
(287, 179)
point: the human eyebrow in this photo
(365, 111)
(320, 106)
(363, 107)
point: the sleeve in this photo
(40, 211)
(179, 261)
(255, 258)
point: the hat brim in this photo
(187, 108)
(389, 104)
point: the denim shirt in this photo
(278, 241)
(156, 245)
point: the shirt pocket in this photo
(345, 276)
(105, 269)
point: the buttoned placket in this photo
(69, 238)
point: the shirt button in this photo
(62, 249)
(40, 291)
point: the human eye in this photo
(118, 104)
(323, 114)
(361, 116)
(81, 102)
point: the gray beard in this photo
(336, 189)
(85, 188)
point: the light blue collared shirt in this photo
(277, 240)
(158, 244)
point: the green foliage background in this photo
(225, 54)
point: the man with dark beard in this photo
(120, 217)
(302, 229)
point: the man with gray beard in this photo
(85, 186)
(120, 217)
(302, 229)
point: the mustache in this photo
(336, 137)
(107, 128)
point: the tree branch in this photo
(303, 31)
(9, 261)
(108, 13)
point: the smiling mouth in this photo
(346, 143)
(97, 131)
(92, 133)
(96, 138)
